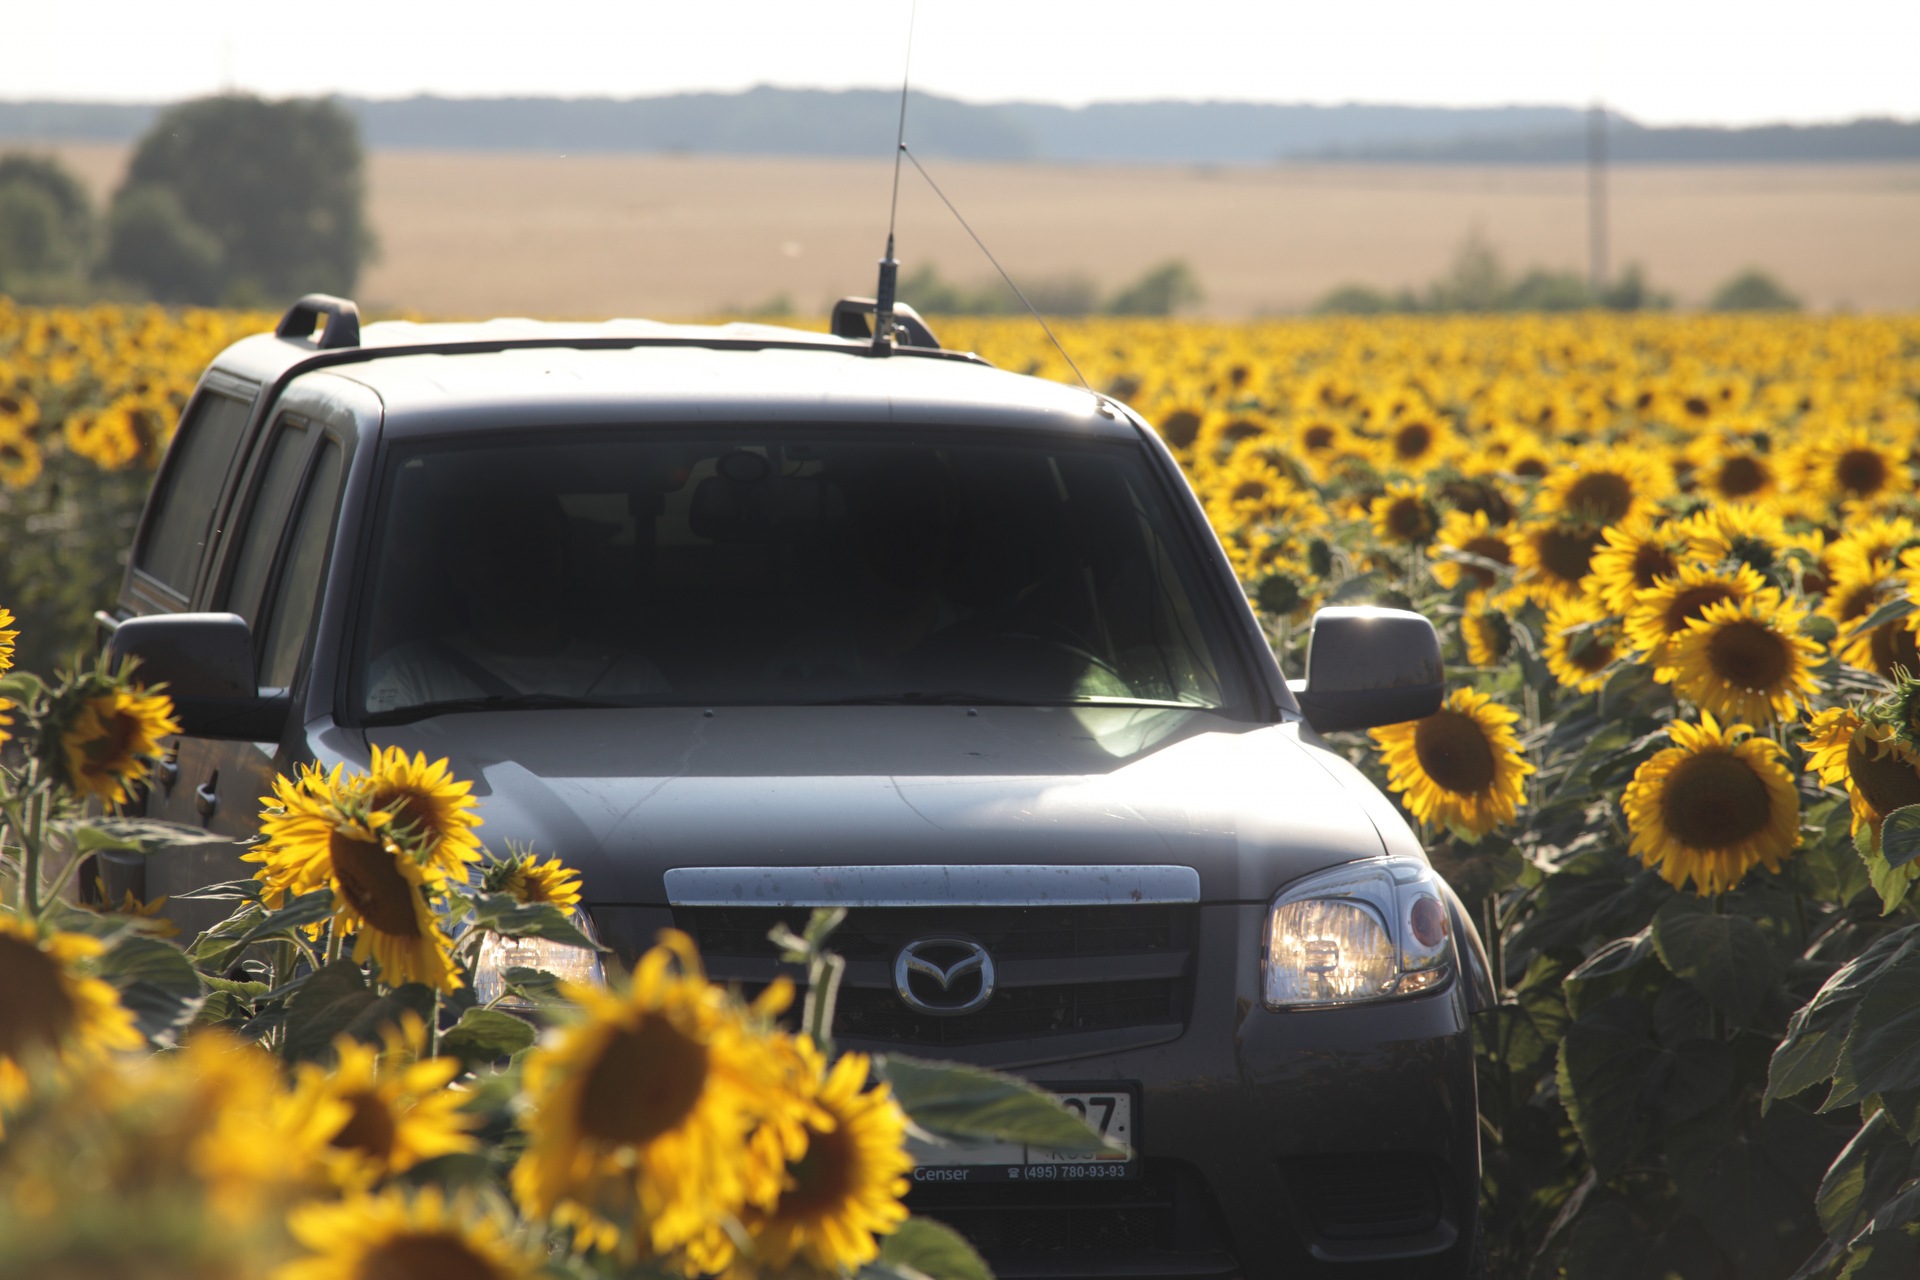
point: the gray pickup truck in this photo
(742, 620)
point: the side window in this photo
(266, 517)
(189, 489)
(298, 589)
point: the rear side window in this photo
(267, 517)
(189, 489)
(298, 588)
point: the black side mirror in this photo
(206, 660)
(1368, 667)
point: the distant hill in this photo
(860, 122)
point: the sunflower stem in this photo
(30, 870)
(433, 1027)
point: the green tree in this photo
(1753, 290)
(279, 187)
(46, 224)
(1161, 291)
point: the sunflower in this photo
(1488, 636)
(531, 881)
(7, 636)
(1664, 609)
(246, 1137)
(642, 1111)
(1744, 660)
(1472, 535)
(399, 1235)
(50, 1009)
(1850, 465)
(1635, 555)
(395, 1108)
(1881, 772)
(145, 917)
(1871, 540)
(1552, 560)
(1600, 487)
(1734, 469)
(1730, 531)
(105, 748)
(1710, 807)
(425, 797)
(323, 833)
(843, 1187)
(1461, 766)
(21, 460)
(1857, 591)
(1403, 515)
(1414, 444)
(1582, 642)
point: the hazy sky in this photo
(1662, 61)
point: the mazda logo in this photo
(943, 976)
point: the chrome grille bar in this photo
(1015, 885)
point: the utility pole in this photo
(1597, 199)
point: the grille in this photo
(1168, 1210)
(1367, 1197)
(1060, 970)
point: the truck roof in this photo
(435, 377)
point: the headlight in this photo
(498, 954)
(1367, 931)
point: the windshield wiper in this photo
(487, 702)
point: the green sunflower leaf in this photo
(506, 915)
(156, 982)
(923, 1247)
(482, 1035)
(954, 1103)
(1727, 957)
(1900, 836)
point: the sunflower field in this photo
(1672, 561)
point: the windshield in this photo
(765, 567)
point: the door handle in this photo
(206, 797)
(167, 771)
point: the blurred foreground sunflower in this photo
(1460, 767)
(1403, 516)
(1552, 560)
(1712, 806)
(1633, 557)
(396, 1108)
(844, 1186)
(1463, 535)
(50, 1009)
(640, 1113)
(404, 1236)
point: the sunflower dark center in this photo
(1248, 490)
(1893, 647)
(1589, 652)
(1605, 495)
(1180, 428)
(1566, 553)
(1697, 406)
(1691, 603)
(1241, 429)
(369, 1128)
(1494, 549)
(35, 1010)
(1318, 438)
(822, 1178)
(1413, 440)
(1408, 519)
(1749, 655)
(644, 1083)
(1740, 475)
(1532, 467)
(111, 750)
(1651, 560)
(1887, 783)
(373, 886)
(1861, 471)
(1714, 801)
(1453, 750)
(434, 1255)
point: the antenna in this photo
(890, 269)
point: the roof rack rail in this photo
(343, 322)
(851, 319)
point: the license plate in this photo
(1109, 1111)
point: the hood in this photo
(626, 794)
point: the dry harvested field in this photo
(542, 234)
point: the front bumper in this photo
(1330, 1142)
